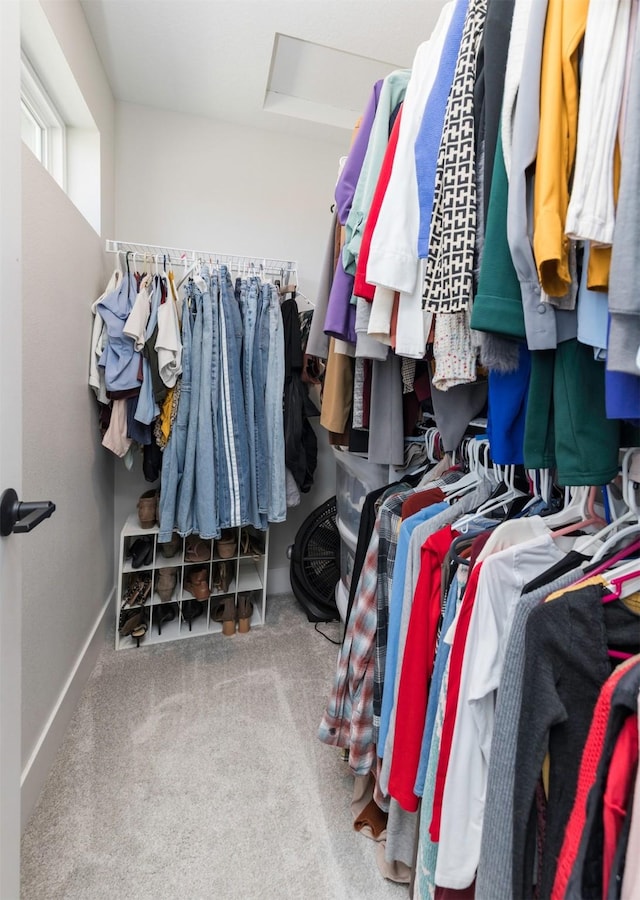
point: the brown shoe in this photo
(224, 611)
(245, 611)
(171, 548)
(227, 544)
(165, 583)
(196, 549)
(196, 583)
(222, 576)
(148, 509)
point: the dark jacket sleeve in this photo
(540, 710)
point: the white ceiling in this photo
(214, 57)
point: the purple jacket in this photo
(340, 320)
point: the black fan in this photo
(315, 563)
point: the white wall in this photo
(68, 561)
(185, 181)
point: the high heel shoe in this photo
(164, 614)
(135, 625)
(191, 609)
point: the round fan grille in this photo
(315, 563)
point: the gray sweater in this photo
(624, 277)
(494, 878)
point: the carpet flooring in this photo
(192, 771)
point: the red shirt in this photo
(586, 777)
(417, 668)
(361, 288)
(618, 794)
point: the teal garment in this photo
(427, 856)
(393, 90)
(566, 423)
(498, 304)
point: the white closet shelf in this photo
(249, 575)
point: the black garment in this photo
(570, 562)
(494, 51)
(566, 663)
(151, 460)
(585, 882)
(365, 530)
(300, 442)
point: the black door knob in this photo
(17, 517)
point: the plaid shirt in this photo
(348, 719)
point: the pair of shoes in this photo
(227, 544)
(171, 548)
(166, 583)
(222, 576)
(148, 509)
(224, 610)
(197, 549)
(137, 590)
(228, 611)
(164, 614)
(197, 582)
(191, 609)
(141, 552)
(134, 623)
(251, 543)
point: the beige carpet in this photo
(192, 771)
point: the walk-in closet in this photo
(319, 450)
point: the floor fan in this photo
(315, 563)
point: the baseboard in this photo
(278, 581)
(41, 760)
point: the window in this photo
(43, 129)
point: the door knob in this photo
(17, 517)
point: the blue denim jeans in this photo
(205, 496)
(186, 519)
(173, 457)
(233, 454)
(260, 368)
(147, 409)
(277, 511)
(249, 300)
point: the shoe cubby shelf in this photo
(218, 580)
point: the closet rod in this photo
(181, 256)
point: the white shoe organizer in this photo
(248, 573)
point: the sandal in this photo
(137, 590)
(245, 611)
(135, 624)
(224, 611)
(251, 544)
(196, 549)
